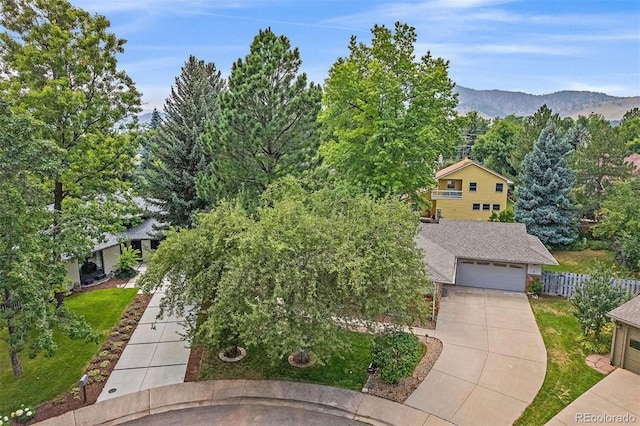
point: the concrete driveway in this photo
(614, 400)
(493, 362)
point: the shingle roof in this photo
(145, 231)
(634, 160)
(465, 163)
(628, 313)
(492, 241)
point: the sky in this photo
(533, 46)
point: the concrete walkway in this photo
(153, 357)
(613, 400)
(493, 362)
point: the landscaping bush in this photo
(594, 298)
(396, 354)
(129, 258)
(536, 287)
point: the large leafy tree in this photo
(620, 222)
(495, 147)
(59, 64)
(629, 130)
(598, 164)
(268, 126)
(26, 311)
(177, 158)
(472, 125)
(387, 117)
(288, 277)
(544, 199)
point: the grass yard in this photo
(580, 262)
(44, 378)
(348, 372)
(567, 376)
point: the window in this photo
(495, 207)
(499, 187)
(485, 207)
(476, 206)
(451, 184)
(473, 186)
(634, 344)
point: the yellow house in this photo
(468, 190)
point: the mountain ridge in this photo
(567, 103)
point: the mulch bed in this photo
(401, 391)
(103, 363)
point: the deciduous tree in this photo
(495, 147)
(598, 164)
(59, 64)
(307, 262)
(387, 117)
(544, 200)
(620, 222)
(26, 288)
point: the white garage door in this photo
(499, 276)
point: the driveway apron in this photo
(493, 362)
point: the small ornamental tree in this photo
(594, 298)
(544, 202)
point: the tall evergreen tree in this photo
(156, 120)
(176, 156)
(532, 126)
(544, 202)
(268, 127)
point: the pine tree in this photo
(176, 155)
(156, 120)
(268, 127)
(544, 202)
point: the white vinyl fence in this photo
(564, 283)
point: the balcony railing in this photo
(449, 194)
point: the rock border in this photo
(243, 354)
(313, 359)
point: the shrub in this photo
(594, 298)
(23, 414)
(396, 354)
(536, 287)
(129, 258)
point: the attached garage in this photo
(491, 255)
(625, 348)
(493, 275)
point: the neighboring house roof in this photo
(629, 313)
(147, 230)
(449, 240)
(466, 163)
(634, 160)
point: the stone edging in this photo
(338, 402)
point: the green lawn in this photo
(349, 372)
(568, 376)
(580, 262)
(45, 378)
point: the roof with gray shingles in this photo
(449, 240)
(145, 231)
(628, 313)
